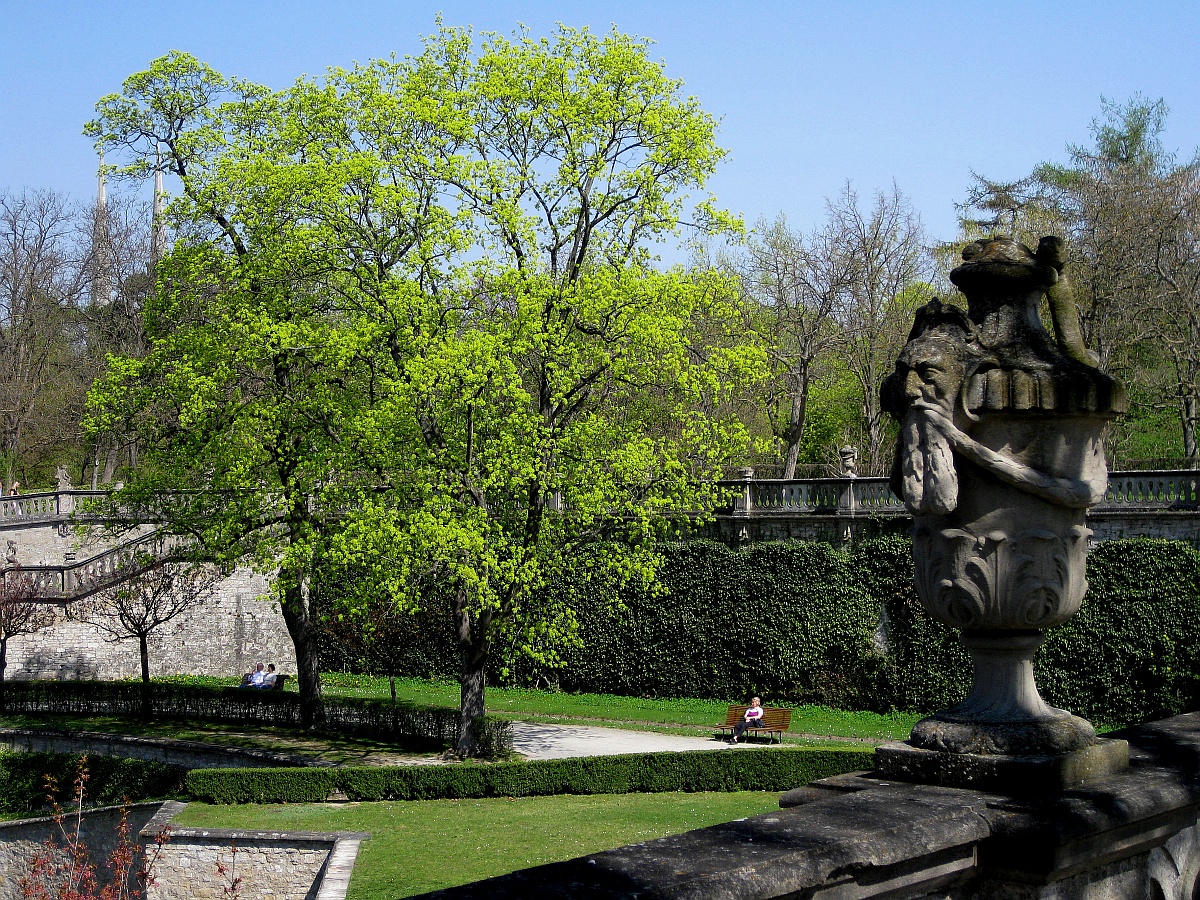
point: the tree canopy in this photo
(410, 330)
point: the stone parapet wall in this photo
(22, 838)
(269, 868)
(1133, 835)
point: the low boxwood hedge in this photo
(376, 719)
(111, 780)
(692, 771)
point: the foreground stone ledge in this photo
(1133, 834)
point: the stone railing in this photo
(75, 580)
(1162, 504)
(1165, 491)
(812, 495)
(44, 506)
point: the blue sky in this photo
(809, 94)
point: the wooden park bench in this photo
(775, 720)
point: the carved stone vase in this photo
(1000, 456)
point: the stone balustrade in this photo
(44, 506)
(1138, 503)
(76, 579)
(1158, 490)
(1163, 504)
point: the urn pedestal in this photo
(1000, 457)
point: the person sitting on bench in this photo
(750, 718)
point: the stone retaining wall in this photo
(272, 865)
(225, 636)
(21, 839)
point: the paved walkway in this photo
(536, 741)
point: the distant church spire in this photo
(159, 241)
(102, 244)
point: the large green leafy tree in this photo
(548, 421)
(410, 332)
(301, 228)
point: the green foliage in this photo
(717, 770)
(410, 332)
(111, 780)
(1131, 652)
(926, 668)
(786, 621)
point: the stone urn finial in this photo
(848, 456)
(1000, 455)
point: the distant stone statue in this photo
(999, 457)
(10, 557)
(849, 459)
(64, 478)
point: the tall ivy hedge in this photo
(784, 620)
(800, 622)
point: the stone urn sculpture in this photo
(1000, 456)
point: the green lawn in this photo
(413, 843)
(691, 716)
(677, 716)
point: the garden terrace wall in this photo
(268, 863)
(22, 838)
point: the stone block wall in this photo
(271, 869)
(20, 840)
(224, 636)
(272, 865)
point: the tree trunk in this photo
(144, 649)
(3, 665)
(471, 698)
(472, 651)
(795, 431)
(392, 684)
(110, 466)
(1189, 426)
(295, 612)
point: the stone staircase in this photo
(45, 534)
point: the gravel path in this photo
(536, 741)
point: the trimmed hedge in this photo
(378, 719)
(111, 780)
(699, 770)
(799, 622)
